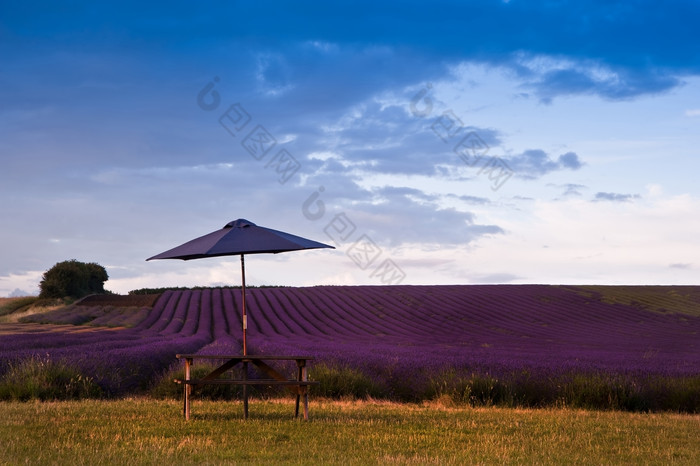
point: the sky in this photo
(484, 142)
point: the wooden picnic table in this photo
(299, 385)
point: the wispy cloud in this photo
(615, 197)
(681, 266)
(570, 189)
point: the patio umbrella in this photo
(240, 237)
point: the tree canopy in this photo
(73, 279)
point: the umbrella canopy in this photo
(240, 237)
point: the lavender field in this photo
(606, 347)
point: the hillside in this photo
(537, 341)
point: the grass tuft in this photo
(38, 378)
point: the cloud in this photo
(17, 293)
(535, 163)
(681, 266)
(471, 199)
(598, 243)
(116, 131)
(695, 112)
(502, 277)
(557, 48)
(379, 136)
(273, 74)
(567, 77)
(396, 215)
(570, 160)
(15, 284)
(615, 197)
(573, 189)
(570, 189)
(620, 58)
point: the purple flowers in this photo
(392, 334)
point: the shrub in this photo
(73, 279)
(45, 379)
(341, 382)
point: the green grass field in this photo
(144, 431)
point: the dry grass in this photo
(141, 431)
(16, 316)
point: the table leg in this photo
(299, 376)
(188, 389)
(304, 378)
(302, 390)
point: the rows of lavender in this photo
(528, 345)
(531, 345)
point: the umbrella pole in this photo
(245, 317)
(245, 349)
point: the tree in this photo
(73, 279)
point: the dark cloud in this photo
(613, 49)
(615, 197)
(681, 266)
(613, 84)
(294, 67)
(598, 47)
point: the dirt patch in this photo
(40, 329)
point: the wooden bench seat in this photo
(299, 383)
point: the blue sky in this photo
(431, 143)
